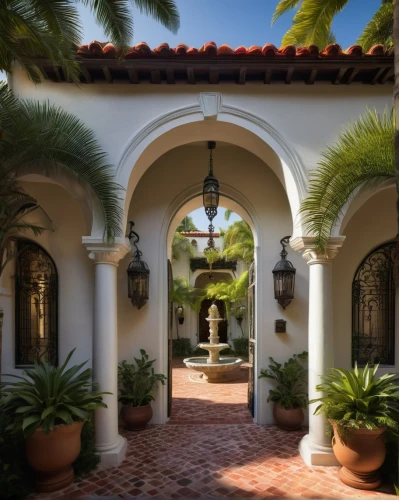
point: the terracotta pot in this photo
(361, 453)
(136, 418)
(51, 455)
(289, 420)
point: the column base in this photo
(315, 454)
(115, 456)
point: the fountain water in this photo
(215, 369)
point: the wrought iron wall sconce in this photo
(284, 277)
(138, 273)
(180, 314)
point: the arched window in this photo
(36, 294)
(373, 308)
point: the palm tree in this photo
(233, 293)
(185, 294)
(32, 29)
(187, 224)
(238, 242)
(362, 157)
(181, 244)
(312, 23)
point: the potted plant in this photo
(360, 408)
(136, 385)
(50, 405)
(290, 396)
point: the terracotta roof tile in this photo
(97, 50)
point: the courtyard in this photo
(211, 448)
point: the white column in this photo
(315, 447)
(110, 445)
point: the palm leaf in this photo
(284, 6)
(363, 157)
(379, 29)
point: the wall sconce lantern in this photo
(138, 273)
(180, 314)
(284, 277)
(239, 314)
(210, 195)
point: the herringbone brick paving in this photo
(194, 458)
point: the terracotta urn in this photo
(51, 455)
(136, 418)
(361, 453)
(288, 420)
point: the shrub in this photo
(182, 347)
(241, 346)
(88, 459)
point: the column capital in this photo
(106, 253)
(305, 244)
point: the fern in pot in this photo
(361, 408)
(49, 405)
(290, 396)
(137, 382)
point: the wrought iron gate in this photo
(252, 338)
(170, 326)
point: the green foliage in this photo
(291, 378)
(211, 255)
(182, 347)
(181, 244)
(47, 396)
(138, 381)
(238, 242)
(363, 157)
(184, 293)
(16, 477)
(231, 293)
(313, 19)
(200, 352)
(33, 133)
(357, 399)
(88, 459)
(31, 30)
(187, 224)
(241, 346)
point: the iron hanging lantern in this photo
(180, 314)
(210, 195)
(138, 273)
(284, 277)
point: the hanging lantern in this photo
(138, 273)
(239, 313)
(180, 314)
(210, 195)
(284, 277)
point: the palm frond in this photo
(362, 157)
(187, 224)
(163, 11)
(312, 23)
(184, 293)
(40, 133)
(227, 214)
(231, 293)
(238, 242)
(379, 29)
(284, 6)
(181, 244)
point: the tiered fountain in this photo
(214, 369)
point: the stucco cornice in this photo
(306, 245)
(106, 253)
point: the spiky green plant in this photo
(51, 29)
(181, 244)
(358, 399)
(138, 381)
(47, 396)
(291, 378)
(313, 20)
(363, 157)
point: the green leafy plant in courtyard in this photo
(357, 399)
(47, 396)
(182, 347)
(238, 242)
(232, 293)
(241, 346)
(291, 378)
(137, 381)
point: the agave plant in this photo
(138, 381)
(291, 378)
(357, 399)
(48, 396)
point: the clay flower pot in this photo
(361, 453)
(288, 420)
(136, 418)
(51, 455)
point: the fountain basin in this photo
(213, 350)
(212, 372)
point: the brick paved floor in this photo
(228, 459)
